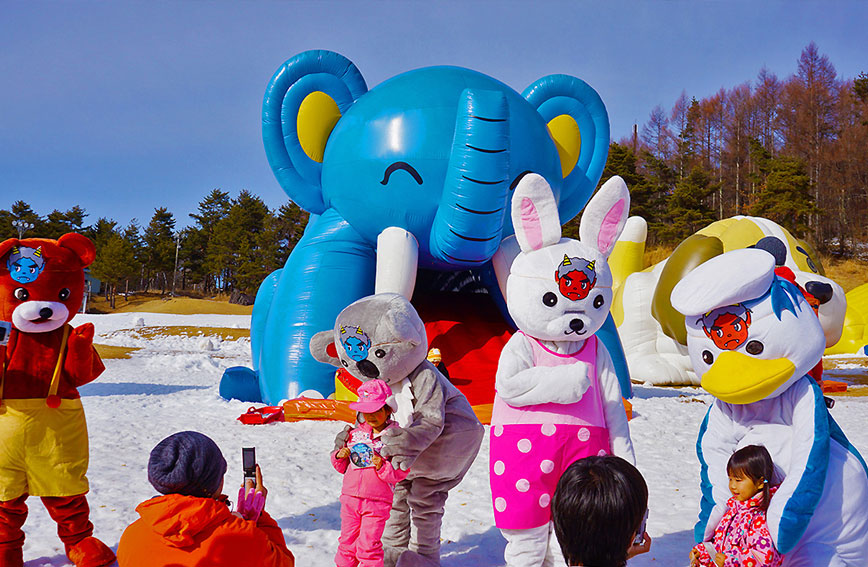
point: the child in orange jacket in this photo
(191, 524)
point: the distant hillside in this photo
(153, 303)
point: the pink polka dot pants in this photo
(526, 462)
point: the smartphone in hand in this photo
(248, 462)
(640, 535)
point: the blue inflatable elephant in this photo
(416, 173)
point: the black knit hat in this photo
(186, 463)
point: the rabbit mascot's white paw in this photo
(558, 398)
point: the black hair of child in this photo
(597, 509)
(754, 462)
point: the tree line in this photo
(230, 247)
(793, 150)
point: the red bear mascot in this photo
(44, 448)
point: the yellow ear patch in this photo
(568, 140)
(317, 115)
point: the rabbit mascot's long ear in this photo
(535, 214)
(605, 216)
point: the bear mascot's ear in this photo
(579, 126)
(7, 245)
(323, 349)
(81, 245)
(303, 101)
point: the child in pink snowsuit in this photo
(369, 480)
(742, 537)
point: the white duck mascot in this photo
(752, 337)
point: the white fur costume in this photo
(819, 515)
(556, 400)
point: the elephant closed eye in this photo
(401, 165)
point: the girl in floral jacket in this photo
(742, 537)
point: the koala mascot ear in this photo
(405, 323)
(322, 347)
(579, 126)
(80, 245)
(303, 101)
(605, 216)
(535, 214)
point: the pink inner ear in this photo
(609, 227)
(530, 224)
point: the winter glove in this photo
(250, 504)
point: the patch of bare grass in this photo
(226, 333)
(656, 253)
(154, 303)
(849, 273)
(107, 352)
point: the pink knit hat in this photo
(372, 396)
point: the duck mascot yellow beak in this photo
(740, 379)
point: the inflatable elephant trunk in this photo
(469, 222)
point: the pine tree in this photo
(198, 239)
(115, 261)
(101, 231)
(785, 196)
(686, 208)
(160, 246)
(59, 223)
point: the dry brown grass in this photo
(226, 333)
(848, 274)
(851, 392)
(108, 352)
(657, 253)
(153, 303)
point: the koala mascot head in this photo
(379, 336)
(559, 289)
(42, 280)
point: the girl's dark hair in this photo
(597, 508)
(754, 462)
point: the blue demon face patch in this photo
(355, 342)
(25, 264)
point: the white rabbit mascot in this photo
(558, 398)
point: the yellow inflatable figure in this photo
(653, 333)
(854, 339)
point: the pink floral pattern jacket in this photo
(743, 536)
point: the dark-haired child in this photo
(597, 512)
(369, 480)
(742, 536)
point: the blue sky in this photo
(121, 107)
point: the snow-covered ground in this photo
(171, 385)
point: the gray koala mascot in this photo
(381, 336)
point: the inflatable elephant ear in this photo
(579, 125)
(303, 101)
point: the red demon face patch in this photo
(576, 278)
(728, 326)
